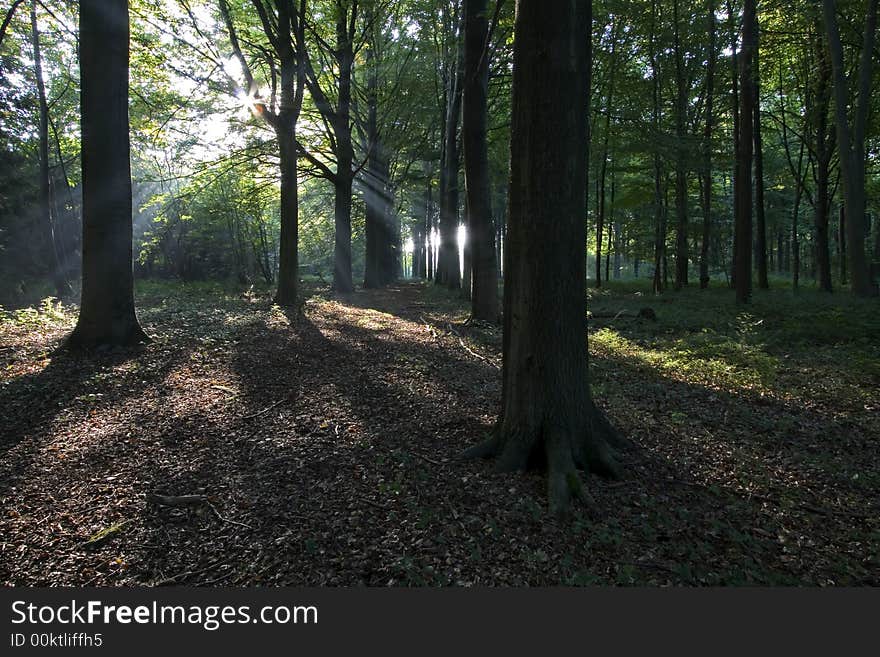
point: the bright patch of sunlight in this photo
(462, 241)
(409, 246)
(710, 358)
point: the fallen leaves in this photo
(325, 447)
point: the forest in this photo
(439, 293)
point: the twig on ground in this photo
(265, 410)
(192, 500)
(429, 460)
(375, 504)
(471, 351)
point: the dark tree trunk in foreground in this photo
(851, 140)
(107, 315)
(547, 415)
(481, 232)
(743, 181)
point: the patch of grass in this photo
(703, 335)
(49, 313)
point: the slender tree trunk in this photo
(841, 241)
(56, 257)
(285, 132)
(429, 231)
(760, 216)
(343, 183)
(707, 149)
(107, 312)
(681, 200)
(448, 269)
(824, 149)
(659, 216)
(603, 169)
(851, 140)
(547, 414)
(743, 182)
(481, 232)
(735, 99)
(374, 188)
(798, 172)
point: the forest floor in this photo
(325, 442)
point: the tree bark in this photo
(285, 130)
(481, 231)
(603, 169)
(735, 101)
(743, 181)
(107, 313)
(659, 214)
(851, 140)
(342, 276)
(287, 36)
(56, 259)
(706, 190)
(448, 265)
(547, 415)
(824, 149)
(760, 216)
(681, 209)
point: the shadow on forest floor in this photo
(326, 441)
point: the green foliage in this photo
(49, 313)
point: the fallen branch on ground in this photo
(643, 313)
(471, 351)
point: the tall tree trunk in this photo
(706, 188)
(343, 183)
(374, 188)
(681, 200)
(659, 215)
(429, 231)
(603, 168)
(824, 149)
(760, 216)
(285, 132)
(448, 269)
(735, 101)
(107, 313)
(798, 172)
(743, 182)
(55, 256)
(481, 231)
(851, 140)
(288, 250)
(841, 241)
(547, 415)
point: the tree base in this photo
(561, 451)
(85, 336)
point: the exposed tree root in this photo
(88, 337)
(562, 452)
